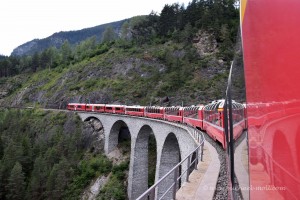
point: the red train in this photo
(269, 160)
(208, 118)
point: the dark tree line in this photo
(47, 59)
(199, 14)
(175, 22)
(43, 156)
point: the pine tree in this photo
(1, 148)
(35, 62)
(108, 35)
(39, 178)
(66, 52)
(58, 179)
(16, 183)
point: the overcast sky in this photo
(24, 20)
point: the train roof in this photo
(219, 104)
(135, 106)
(174, 107)
(76, 103)
(95, 104)
(193, 107)
(114, 105)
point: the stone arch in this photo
(170, 156)
(93, 135)
(95, 122)
(141, 162)
(114, 134)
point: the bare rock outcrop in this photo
(93, 136)
(205, 43)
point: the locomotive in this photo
(209, 118)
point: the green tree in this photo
(54, 57)
(66, 52)
(35, 62)
(109, 34)
(85, 49)
(26, 159)
(125, 31)
(187, 33)
(12, 154)
(39, 178)
(1, 147)
(167, 20)
(58, 179)
(16, 183)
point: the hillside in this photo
(186, 60)
(57, 39)
(53, 155)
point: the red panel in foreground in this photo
(271, 43)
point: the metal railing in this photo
(153, 193)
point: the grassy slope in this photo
(130, 75)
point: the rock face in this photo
(93, 136)
(205, 43)
(95, 188)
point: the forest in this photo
(43, 155)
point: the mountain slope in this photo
(187, 61)
(57, 39)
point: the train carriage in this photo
(135, 110)
(76, 106)
(117, 109)
(174, 113)
(155, 112)
(95, 107)
(213, 120)
(193, 116)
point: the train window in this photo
(78, 106)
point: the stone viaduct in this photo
(173, 142)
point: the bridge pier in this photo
(139, 163)
(169, 158)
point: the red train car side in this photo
(193, 116)
(135, 110)
(117, 109)
(95, 107)
(271, 46)
(76, 106)
(174, 114)
(213, 120)
(155, 112)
